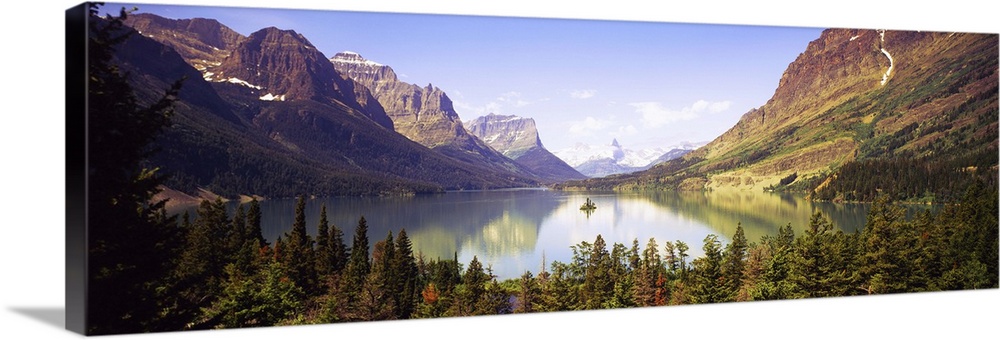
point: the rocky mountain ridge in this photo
(423, 114)
(274, 118)
(517, 138)
(203, 43)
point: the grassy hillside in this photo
(843, 102)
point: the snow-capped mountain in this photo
(603, 160)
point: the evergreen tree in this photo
(237, 231)
(338, 250)
(978, 236)
(529, 294)
(649, 275)
(253, 222)
(886, 249)
(682, 256)
(598, 285)
(775, 257)
(471, 293)
(496, 298)
(734, 261)
(358, 266)
(708, 285)
(298, 257)
(622, 263)
(376, 299)
(324, 253)
(264, 298)
(670, 258)
(185, 221)
(241, 245)
(131, 243)
(201, 266)
(406, 271)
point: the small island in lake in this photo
(589, 206)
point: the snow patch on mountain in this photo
(239, 81)
(885, 77)
(270, 97)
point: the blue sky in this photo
(647, 84)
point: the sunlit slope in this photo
(851, 95)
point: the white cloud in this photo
(491, 107)
(509, 96)
(583, 94)
(629, 130)
(505, 103)
(654, 114)
(588, 126)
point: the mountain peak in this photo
(508, 134)
(351, 57)
(270, 34)
(614, 143)
(517, 138)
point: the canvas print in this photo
(250, 167)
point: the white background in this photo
(32, 128)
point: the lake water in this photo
(513, 230)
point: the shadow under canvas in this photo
(54, 316)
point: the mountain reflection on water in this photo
(513, 230)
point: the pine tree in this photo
(358, 266)
(648, 276)
(240, 244)
(263, 298)
(338, 250)
(670, 258)
(708, 284)
(775, 255)
(682, 256)
(598, 284)
(201, 268)
(561, 291)
(253, 222)
(529, 295)
(734, 261)
(130, 241)
(406, 271)
(886, 250)
(473, 289)
(324, 253)
(496, 298)
(376, 298)
(623, 261)
(237, 229)
(299, 255)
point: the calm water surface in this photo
(513, 230)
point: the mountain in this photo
(203, 43)
(604, 160)
(274, 118)
(283, 65)
(517, 138)
(423, 114)
(857, 97)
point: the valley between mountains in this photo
(859, 112)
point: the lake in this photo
(513, 230)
